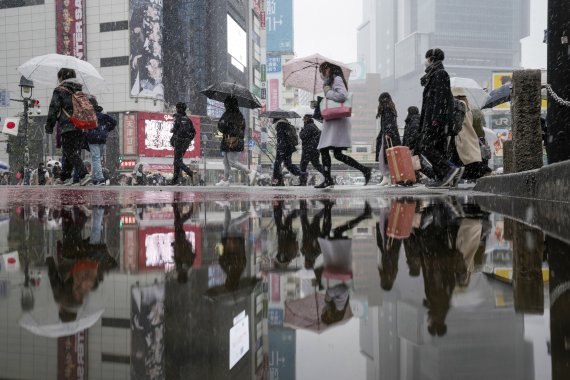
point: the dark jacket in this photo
(388, 128)
(437, 100)
(232, 124)
(183, 129)
(105, 124)
(61, 100)
(412, 132)
(310, 136)
(284, 147)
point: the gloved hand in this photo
(48, 131)
(326, 89)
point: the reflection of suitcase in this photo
(401, 166)
(401, 220)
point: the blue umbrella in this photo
(499, 96)
(4, 166)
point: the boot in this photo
(386, 181)
(303, 179)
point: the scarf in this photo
(430, 71)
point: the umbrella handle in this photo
(315, 83)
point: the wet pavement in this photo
(245, 283)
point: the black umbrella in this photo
(280, 114)
(499, 96)
(221, 91)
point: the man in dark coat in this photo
(437, 105)
(71, 137)
(183, 133)
(97, 139)
(285, 150)
(310, 136)
(412, 129)
(41, 174)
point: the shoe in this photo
(367, 209)
(327, 183)
(450, 176)
(59, 182)
(386, 180)
(85, 180)
(277, 183)
(100, 183)
(251, 177)
(367, 176)
(436, 185)
(458, 177)
(223, 183)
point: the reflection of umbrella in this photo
(499, 96)
(222, 90)
(476, 95)
(43, 70)
(280, 114)
(303, 72)
(56, 330)
(305, 313)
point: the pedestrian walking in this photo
(183, 133)
(232, 126)
(336, 134)
(41, 174)
(60, 110)
(412, 129)
(437, 105)
(388, 134)
(310, 136)
(286, 145)
(97, 140)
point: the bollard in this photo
(527, 138)
(508, 164)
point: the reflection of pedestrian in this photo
(233, 259)
(184, 253)
(183, 133)
(389, 252)
(310, 136)
(311, 231)
(287, 245)
(336, 303)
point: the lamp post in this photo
(26, 91)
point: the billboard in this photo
(154, 133)
(71, 28)
(500, 79)
(156, 250)
(279, 23)
(237, 44)
(145, 61)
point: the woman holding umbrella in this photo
(336, 134)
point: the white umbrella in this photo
(43, 70)
(52, 329)
(476, 95)
(303, 72)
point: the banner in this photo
(130, 134)
(146, 64)
(71, 30)
(154, 133)
(72, 356)
(280, 26)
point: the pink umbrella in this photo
(303, 73)
(305, 313)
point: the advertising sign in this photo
(273, 64)
(501, 120)
(500, 79)
(146, 63)
(274, 94)
(71, 28)
(72, 356)
(282, 354)
(130, 250)
(156, 250)
(237, 44)
(130, 134)
(154, 133)
(280, 26)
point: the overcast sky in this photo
(329, 27)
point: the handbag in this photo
(232, 142)
(331, 110)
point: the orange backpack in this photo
(84, 115)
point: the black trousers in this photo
(434, 148)
(179, 150)
(325, 153)
(71, 143)
(312, 158)
(284, 159)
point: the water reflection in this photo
(277, 289)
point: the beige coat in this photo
(467, 141)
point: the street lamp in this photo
(26, 91)
(26, 88)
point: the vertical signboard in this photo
(282, 354)
(70, 30)
(130, 134)
(146, 63)
(72, 356)
(280, 26)
(274, 94)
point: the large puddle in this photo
(431, 288)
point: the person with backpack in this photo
(310, 136)
(437, 109)
(71, 108)
(232, 126)
(287, 140)
(388, 134)
(183, 133)
(412, 129)
(97, 139)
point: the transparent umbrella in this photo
(476, 95)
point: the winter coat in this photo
(61, 100)
(388, 128)
(310, 136)
(412, 132)
(105, 124)
(437, 100)
(232, 124)
(284, 147)
(467, 141)
(183, 130)
(479, 122)
(336, 133)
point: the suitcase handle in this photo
(389, 141)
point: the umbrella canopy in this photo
(305, 313)
(4, 166)
(476, 95)
(58, 329)
(221, 91)
(499, 96)
(303, 73)
(280, 114)
(43, 70)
